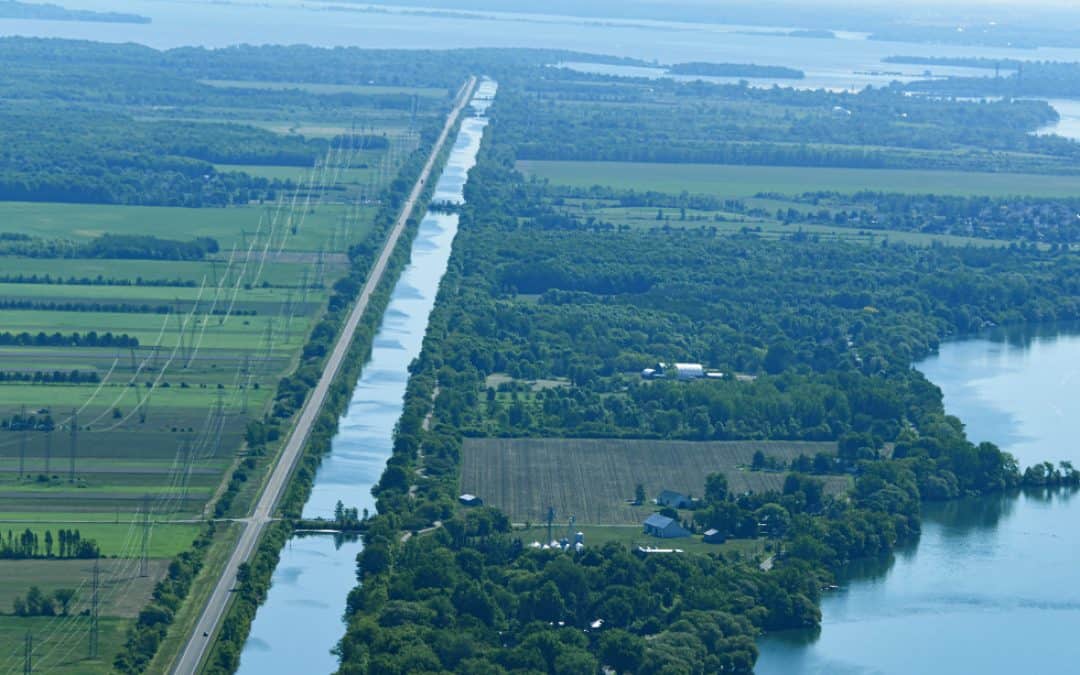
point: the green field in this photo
(644, 218)
(593, 479)
(229, 226)
(747, 181)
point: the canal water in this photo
(993, 585)
(301, 621)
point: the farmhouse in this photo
(663, 527)
(675, 500)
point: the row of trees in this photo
(66, 544)
(89, 339)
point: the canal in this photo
(301, 621)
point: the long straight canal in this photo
(301, 621)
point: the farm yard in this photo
(593, 479)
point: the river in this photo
(991, 586)
(306, 602)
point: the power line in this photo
(95, 605)
(74, 447)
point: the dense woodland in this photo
(569, 116)
(827, 332)
(734, 70)
(1010, 77)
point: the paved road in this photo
(197, 645)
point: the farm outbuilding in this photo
(714, 537)
(675, 500)
(689, 371)
(663, 527)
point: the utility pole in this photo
(23, 423)
(28, 654)
(74, 448)
(144, 556)
(94, 611)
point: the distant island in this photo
(956, 61)
(12, 9)
(735, 70)
(816, 34)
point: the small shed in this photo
(675, 500)
(714, 536)
(663, 527)
(470, 500)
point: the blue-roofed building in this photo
(675, 500)
(661, 526)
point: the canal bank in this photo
(300, 622)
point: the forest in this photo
(571, 116)
(1011, 78)
(735, 70)
(822, 334)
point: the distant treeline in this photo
(627, 120)
(1052, 221)
(735, 70)
(91, 339)
(1015, 78)
(66, 544)
(114, 246)
(99, 280)
(51, 377)
(12, 9)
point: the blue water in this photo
(991, 586)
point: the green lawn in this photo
(746, 181)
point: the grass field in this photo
(593, 479)
(229, 226)
(746, 181)
(70, 657)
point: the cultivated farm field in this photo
(747, 181)
(592, 479)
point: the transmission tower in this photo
(144, 555)
(73, 450)
(94, 611)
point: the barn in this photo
(663, 527)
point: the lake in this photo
(848, 62)
(992, 585)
